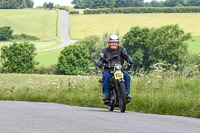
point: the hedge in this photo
(144, 10)
(70, 9)
(74, 12)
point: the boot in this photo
(107, 97)
(128, 98)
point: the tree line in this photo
(16, 4)
(132, 3)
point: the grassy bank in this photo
(160, 94)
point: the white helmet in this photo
(113, 38)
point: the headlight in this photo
(118, 66)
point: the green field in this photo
(40, 23)
(158, 93)
(48, 58)
(85, 25)
(194, 45)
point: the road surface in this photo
(64, 32)
(29, 117)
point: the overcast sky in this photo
(60, 2)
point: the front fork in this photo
(118, 90)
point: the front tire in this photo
(122, 97)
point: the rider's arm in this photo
(100, 62)
(126, 57)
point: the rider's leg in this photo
(127, 79)
(106, 82)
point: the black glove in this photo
(132, 63)
(100, 66)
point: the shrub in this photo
(90, 42)
(102, 43)
(53, 69)
(24, 37)
(5, 33)
(190, 65)
(74, 12)
(149, 46)
(18, 58)
(74, 59)
(67, 8)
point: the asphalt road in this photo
(29, 117)
(64, 32)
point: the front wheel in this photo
(122, 97)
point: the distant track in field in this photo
(29, 117)
(64, 32)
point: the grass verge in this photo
(167, 94)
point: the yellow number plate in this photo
(118, 75)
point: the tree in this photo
(102, 43)
(18, 58)
(90, 42)
(74, 59)
(48, 5)
(107, 3)
(155, 3)
(149, 46)
(30, 3)
(16, 4)
(5, 33)
(77, 3)
(112, 5)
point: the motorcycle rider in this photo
(114, 53)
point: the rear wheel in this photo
(122, 97)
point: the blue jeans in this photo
(106, 82)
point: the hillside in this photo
(40, 23)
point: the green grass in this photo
(85, 25)
(48, 58)
(158, 93)
(40, 23)
(194, 46)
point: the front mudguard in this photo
(121, 80)
(117, 84)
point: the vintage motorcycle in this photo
(117, 87)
